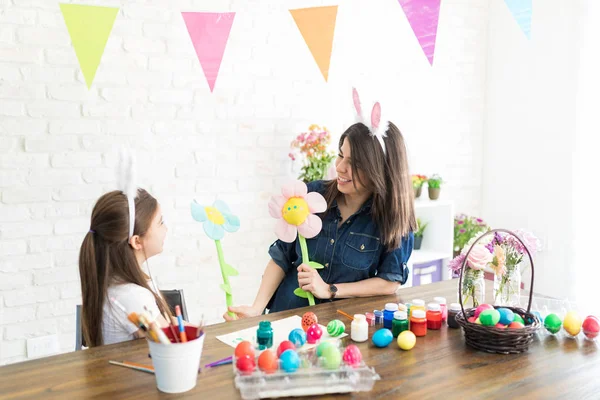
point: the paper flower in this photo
(216, 219)
(294, 211)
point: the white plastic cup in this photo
(176, 365)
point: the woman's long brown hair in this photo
(107, 258)
(386, 175)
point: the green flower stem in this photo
(305, 260)
(228, 296)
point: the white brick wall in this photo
(59, 140)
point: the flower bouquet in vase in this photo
(473, 284)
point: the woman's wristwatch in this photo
(332, 291)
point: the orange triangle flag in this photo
(316, 24)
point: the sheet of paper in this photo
(281, 330)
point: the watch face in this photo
(333, 288)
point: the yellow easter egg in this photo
(572, 323)
(406, 340)
(478, 321)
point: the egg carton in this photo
(310, 381)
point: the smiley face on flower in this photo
(294, 210)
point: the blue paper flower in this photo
(216, 219)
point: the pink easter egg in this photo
(285, 345)
(314, 333)
(501, 326)
(352, 356)
(481, 308)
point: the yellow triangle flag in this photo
(89, 27)
(316, 24)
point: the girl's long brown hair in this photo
(387, 177)
(107, 258)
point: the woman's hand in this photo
(241, 312)
(310, 281)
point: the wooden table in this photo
(440, 366)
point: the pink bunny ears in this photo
(377, 127)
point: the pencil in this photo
(132, 365)
(345, 315)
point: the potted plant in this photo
(313, 148)
(434, 183)
(418, 181)
(419, 233)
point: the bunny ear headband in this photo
(377, 127)
(126, 183)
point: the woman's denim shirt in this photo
(350, 253)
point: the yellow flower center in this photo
(295, 211)
(214, 215)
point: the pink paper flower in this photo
(295, 209)
(479, 257)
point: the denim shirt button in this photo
(332, 241)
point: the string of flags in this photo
(90, 26)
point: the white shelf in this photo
(426, 203)
(423, 256)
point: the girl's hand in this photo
(310, 281)
(241, 312)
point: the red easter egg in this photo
(267, 362)
(472, 319)
(245, 364)
(501, 326)
(244, 348)
(308, 319)
(314, 333)
(285, 345)
(352, 355)
(516, 325)
(591, 327)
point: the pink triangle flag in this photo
(209, 33)
(423, 17)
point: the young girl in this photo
(110, 266)
(367, 235)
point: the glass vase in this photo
(507, 287)
(473, 288)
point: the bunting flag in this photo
(209, 33)
(317, 24)
(89, 27)
(521, 11)
(423, 18)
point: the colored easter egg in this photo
(267, 362)
(518, 318)
(331, 357)
(335, 328)
(245, 364)
(516, 325)
(489, 317)
(501, 326)
(352, 356)
(478, 321)
(506, 316)
(481, 308)
(538, 315)
(382, 338)
(314, 333)
(244, 348)
(322, 346)
(591, 327)
(472, 319)
(552, 323)
(285, 345)
(406, 340)
(290, 361)
(298, 337)
(308, 319)
(572, 323)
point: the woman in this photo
(366, 238)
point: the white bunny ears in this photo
(377, 127)
(126, 183)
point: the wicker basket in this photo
(490, 338)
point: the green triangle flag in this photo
(89, 27)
